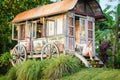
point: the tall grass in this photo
(31, 70)
(11, 75)
(46, 69)
(62, 66)
(4, 78)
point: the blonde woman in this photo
(87, 50)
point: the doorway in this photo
(84, 30)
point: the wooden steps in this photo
(96, 63)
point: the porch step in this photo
(96, 63)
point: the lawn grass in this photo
(90, 74)
(94, 74)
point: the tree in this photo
(117, 22)
(104, 34)
(110, 26)
(8, 10)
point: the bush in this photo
(117, 61)
(46, 69)
(62, 66)
(5, 59)
(11, 75)
(4, 78)
(5, 62)
(31, 70)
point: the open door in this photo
(84, 30)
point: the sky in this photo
(103, 3)
(113, 4)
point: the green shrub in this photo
(5, 59)
(62, 66)
(11, 75)
(4, 78)
(31, 70)
(5, 62)
(46, 69)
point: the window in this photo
(34, 25)
(54, 27)
(71, 35)
(27, 30)
(50, 28)
(82, 30)
(22, 32)
(71, 27)
(59, 26)
(15, 28)
(90, 30)
(39, 30)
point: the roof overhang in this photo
(46, 10)
(56, 8)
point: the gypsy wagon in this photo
(61, 27)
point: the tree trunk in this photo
(115, 48)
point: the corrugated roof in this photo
(46, 10)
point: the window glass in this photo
(82, 31)
(59, 26)
(90, 34)
(27, 29)
(50, 28)
(90, 25)
(34, 25)
(71, 21)
(90, 29)
(15, 29)
(39, 30)
(83, 28)
(71, 30)
(22, 32)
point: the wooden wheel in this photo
(18, 54)
(50, 50)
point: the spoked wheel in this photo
(18, 54)
(50, 50)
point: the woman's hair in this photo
(88, 43)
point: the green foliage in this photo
(108, 30)
(5, 62)
(31, 70)
(45, 69)
(8, 10)
(62, 66)
(5, 59)
(117, 61)
(118, 12)
(4, 78)
(12, 73)
(94, 74)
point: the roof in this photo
(46, 10)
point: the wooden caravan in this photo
(48, 30)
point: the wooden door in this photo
(91, 32)
(71, 32)
(83, 30)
